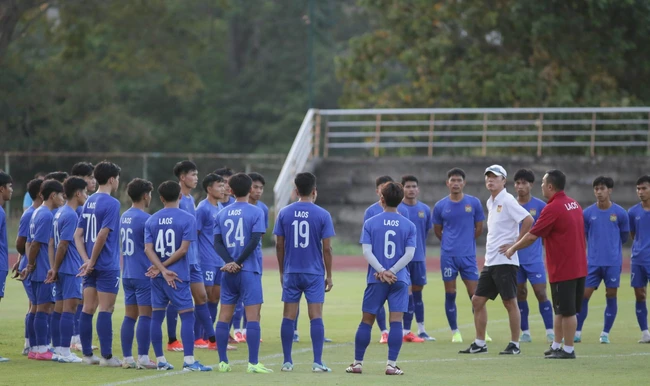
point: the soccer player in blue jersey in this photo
(420, 215)
(6, 190)
(98, 242)
(639, 216)
(38, 264)
(226, 173)
(531, 262)
(168, 235)
(237, 234)
(457, 223)
(63, 273)
(137, 286)
(303, 246)
(607, 228)
(27, 199)
(389, 241)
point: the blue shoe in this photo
(577, 339)
(165, 366)
(296, 338)
(525, 337)
(3, 359)
(426, 337)
(196, 366)
(328, 340)
(604, 339)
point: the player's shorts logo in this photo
(613, 279)
(533, 212)
(468, 208)
(612, 217)
(421, 214)
(539, 275)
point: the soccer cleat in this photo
(224, 367)
(44, 356)
(384, 338)
(526, 338)
(76, 347)
(72, 358)
(474, 349)
(551, 350)
(411, 338)
(3, 359)
(550, 338)
(644, 339)
(148, 365)
(31, 355)
(355, 368)
(232, 340)
(511, 349)
(164, 366)
(393, 370)
(561, 354)
(487, 337)
(577, 339)
(175, 346)
(258, 369)
(457, 337)
(287, 367)
(604, 339)
(196, 366)
(200, 343)
(211, 345)
(320, 368)
(426, 337)
(296, 338)
(231, 348)
(129, 364)
(240, 338)
(91, 360)
(26, 351)
(113, 362)
(327, 340)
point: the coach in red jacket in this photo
(562, 226)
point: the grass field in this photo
(622, 362)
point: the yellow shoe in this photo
(258, 368)
(487, 337)
(224, 367)
(457, 338)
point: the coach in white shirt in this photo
(499, 275)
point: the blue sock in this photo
(295, 322)
(236, 317)
(66, 329)
(198, 330)
(27, 325)
(524, 311)
(317, 330)
(450, 310)
(86, 333)
(40, 325)
(105, 333)
(381, 319)
(546, 310)
(55, 327)
(582, 315)
(143, 334)
(77, 316)
(212, 308)
(49, 328)
(394, 340)
(203, 314)
(126, 336)
(286, 336)
(408, 316)
(362, 340)
(187, 332)
(172, 322)
(222, 332)
(610, 313)
(31, 329)
(642, 315)
(244, 320)
(253, 334)
(418, 306)
(155, 333)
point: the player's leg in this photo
(296, 335)
(201, 311)
(381, 323)
(127, 331)
(237, 323)
(594, 277)
(44, 298)
(639, 281)
(522, 303)
(418, 283)
(181, 297)
(537, 278)
(505, 277)
(252, 297)
(159, 307)
(373, 299)
(230, 296)
(143, 329)
(55, 321)
(90, 304)
(314, 289)
(449, 273)
(291, 294)
(108, 285)
(408, 315)
(397, 303)
(70, 286)
(486, 289)
(171, 313)
(567, 301)
(612, 276)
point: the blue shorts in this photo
(162, 294)
(3, 281)
(244, 287)
(67, 287)
(640, 275)
(295, 284)
(137, 292)
(211, 275)
(535, 273)
(27, 285)
(465, 265)
(418, 272)
(377, 294)
(43, 293)
(196, 275)
(103, 281)
(611, 275)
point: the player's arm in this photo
(327, 259)
(437, 229)
(478, 229)
(526, 225)
(50, 251)
(79, 243)
(249, 248)
(221, 249)
(21, 242)
(102, 236)
(371, 258)
(279, 252)
(34, 247)
(169, 276)
(178, 254)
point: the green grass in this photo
(622, 362)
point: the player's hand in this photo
(328, 284)
(509, 252)
(389, 277)
(52, 276)
(23, 274)
(85, 269)
(15, 272)
(171, 278)
(152, 272)
(504, 248)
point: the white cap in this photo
(497, 170)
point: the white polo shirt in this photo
(504, 216)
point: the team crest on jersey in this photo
(421, 214)
(468, 208)
(612, 217)
(533, 212)
(499, 208)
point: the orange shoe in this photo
(384, 338)
(200, 343)
(232, 340)
(176, 346)
(212, 345)
(240, 338)
(412, 338)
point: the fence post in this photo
(326, 140)
(484, 141)
(145, 166)
(592, 146)
(377, 134)
(432, 121)
(8, 171)
(540, 131)
(316, 148)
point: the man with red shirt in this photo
(561, 225)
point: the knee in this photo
(640, 297)
(511, 305)
(541, 296)
(477, 303)
(522, 294)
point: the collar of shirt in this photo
(559, 194)
(492, 200)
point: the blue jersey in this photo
(135, 262)
(23, 231)
(187, 204)
(640, 226)
(389, 234)
(166, 230)
(65, 224)
(533, 253)
(40, 229)
(101, 211)
(236, 223)
(4, 246)
(79, 211)
(231, 200)
(206, 216)
(376, 209)
(603, 230)
(458, 220)
(304, 225)
(420, 215)
(265, 209)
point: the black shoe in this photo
(474, 349)
(512, 349)
(561, 354)
(551, 350)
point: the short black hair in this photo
(409, 178)
(525, 174)
(224, 172)
(82, 169)
(456, 172)
(72, 184)
(40, 174)
(257, 177)
(34, 187)
(184, 167)
(211, 179)
(382, 180)
(643, 179)
(59, 176)
(137, 188)
(556, 178)
(305, 183)
(240, 184)
(602, 180)
(104, 171)
(393, 193)
(5, 179)
(170, 191)
(50, 186)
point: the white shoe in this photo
(113, 362)
(92, 360)
(645, 339)
(72, 358)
